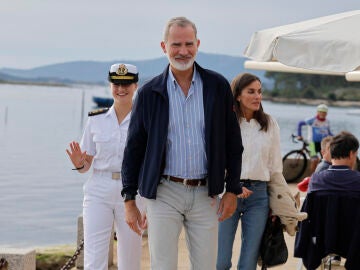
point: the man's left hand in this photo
(227, 206)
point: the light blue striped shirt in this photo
(185, 146)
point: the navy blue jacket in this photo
(332, 227)
(336, 177)
(144, 155)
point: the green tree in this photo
(293, 85)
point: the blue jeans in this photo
(253, 213)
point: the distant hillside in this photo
(96, 72)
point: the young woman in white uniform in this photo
(102, 146)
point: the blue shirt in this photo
(185, 146)
(145, 151)
(323, 165)
(318, 129)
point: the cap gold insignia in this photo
(122, 70)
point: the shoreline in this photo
(314, 102)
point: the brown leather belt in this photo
(185, 181)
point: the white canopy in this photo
(328, 44)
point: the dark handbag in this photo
(273, 249)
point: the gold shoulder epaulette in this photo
(98, 111)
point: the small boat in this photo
(103, 101)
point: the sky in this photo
(35, 33)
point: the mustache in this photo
(183, 57)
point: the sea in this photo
(40, 196)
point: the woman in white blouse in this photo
(102, 148)
(260, 160)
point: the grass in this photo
(53, 258)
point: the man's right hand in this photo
(133, 217)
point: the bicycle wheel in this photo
(294, 165)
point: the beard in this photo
(181, 66)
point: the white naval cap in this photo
(123, 74)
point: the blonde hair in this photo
(325, 141)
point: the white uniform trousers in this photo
(178, 206)
(103, 206)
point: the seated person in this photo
(325, 153)
(339, 176)
(323, 165)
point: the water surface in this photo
(40, 196)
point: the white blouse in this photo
(105, 139)
(262, 154)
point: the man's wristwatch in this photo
(129, 197)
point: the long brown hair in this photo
(237, 86)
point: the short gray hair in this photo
(179, 21)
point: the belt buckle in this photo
(115, 175)
(185, 181)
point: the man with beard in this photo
(184, 148)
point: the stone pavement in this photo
(183, 261)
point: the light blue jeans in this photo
(253, 212)
(176, 207)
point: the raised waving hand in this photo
(77, 157)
